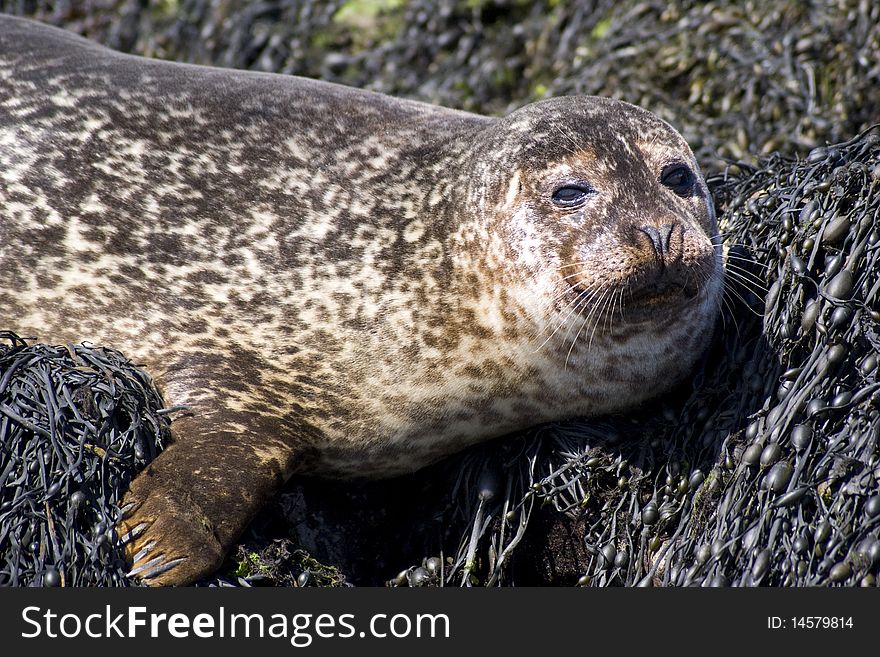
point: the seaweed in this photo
(76, 423)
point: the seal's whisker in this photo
(734, 292)
(581, 300)
(747, 279)
(578, 302)
(618, 296)
(724, 303)
(575, 275)
(684, 285)
(737, 259)
(750, 279)
(580, 307)
(596, 322)
(608, 311)
(720, 238)
(732, 256)
(623, 303)
(577, 335)
(566, 291)
(734, 283)
(565, 337)
(704, 277)
(551, 307)
(619, 303)
(592, 312)
(736, 266)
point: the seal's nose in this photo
(660, 238)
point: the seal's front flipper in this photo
(169, 537)
(186, 509)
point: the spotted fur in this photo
(334, 281)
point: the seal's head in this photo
(601, 206)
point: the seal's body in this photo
(333, 280)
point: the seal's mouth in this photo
(665, 292)
(636, 302)
(651, 305)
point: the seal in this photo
(333, 281)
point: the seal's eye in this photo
(678, 178)
(571, 196)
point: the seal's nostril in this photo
(660, 237)
(654, 235)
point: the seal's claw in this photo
(172, 540)
(133, 533)
(154, 567)
(165, 567)
(140, 568)
(144, 551)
